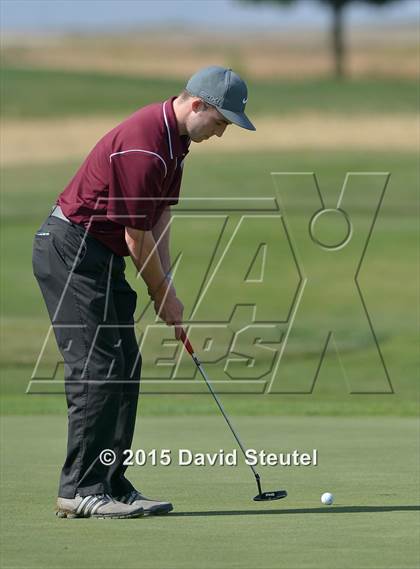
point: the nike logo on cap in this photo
(245, 101)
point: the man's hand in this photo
(170, 309)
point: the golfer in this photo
(118, 205)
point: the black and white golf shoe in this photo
(151, 507)
(96, 506)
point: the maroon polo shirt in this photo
(129, 177)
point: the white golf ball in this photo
(327, 498)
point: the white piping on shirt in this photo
(146, 152)
(167, 128)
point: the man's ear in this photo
(197, 105)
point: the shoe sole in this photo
(159, 510)
(72, 515)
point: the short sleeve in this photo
(135, 187)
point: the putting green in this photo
(369, 464)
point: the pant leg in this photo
(126, 366)
(125, 303)
(75, 280)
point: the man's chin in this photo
(200, 139)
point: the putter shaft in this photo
(200, 368)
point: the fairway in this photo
(368, 464)
(391, 251)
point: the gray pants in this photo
(91, 307)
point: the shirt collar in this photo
(178, 145)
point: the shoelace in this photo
(130, 497)
(107, 497)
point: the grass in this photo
(367, 444)
(373, 474)
(69, 93)
(29, 191)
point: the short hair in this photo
(184, 95)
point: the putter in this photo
(261, 496)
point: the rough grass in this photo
(390, 51)
(75, 136)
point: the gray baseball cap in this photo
(223, 89)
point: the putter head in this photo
(266, 496)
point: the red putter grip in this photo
(186, 342)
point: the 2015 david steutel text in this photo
(187, 457)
